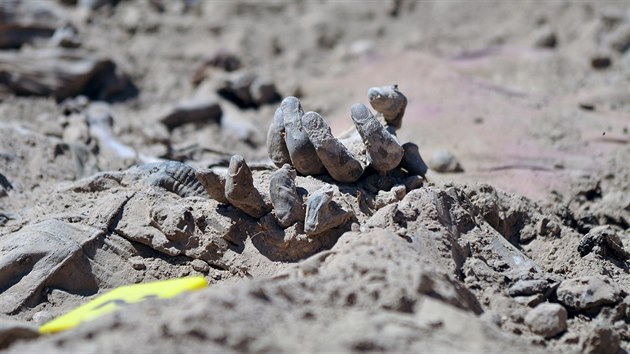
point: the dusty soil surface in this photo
(516, 240)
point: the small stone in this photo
(602, 339)
(600, 62)
(587, 292)
(42, 317)
(545, 38)
(195, 110)
(547, 320)
(137, 263)
(200, 266)
(605, 242)
(619, 39)
(530, 300)
(444, 161)
(263, 91)
(528, 287)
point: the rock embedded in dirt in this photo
(601, 339)
(61, 74)
(248, 90)
(547, 320)
(605, 242)
(200, 110)
(545, 37)
(12, 331)
(600, 61)
(588, 292)
(445, 162)
(619, 38)
(529, 287)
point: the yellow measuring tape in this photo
(122, 296)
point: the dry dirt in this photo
(524, 248)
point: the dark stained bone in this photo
(240, 190)
(303, 155)
(287, 203)
(341, 164)
(322, 213)
(384, 151)
(412, 161)
(276, 146)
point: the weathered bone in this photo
(384, 151)
(303, 155)
(412, 161)
(389, 102)
(173, 176)
(214, 184)
(276, 146)
(322, 213)
(287, 203)
(340, 163)
(240, 190)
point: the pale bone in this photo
(384, 151)
(322, 213)
(303, 155)
(340, 163)
(276, 146)
(240, 190)
(287, 202)
(389, 102)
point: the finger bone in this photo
(322, 213)
(390, 102)
(214, 184)
(276, 146)
(303, 155)
(341, 164)
(240, 190)
(286, 201)
(384, 151)
(412, 161)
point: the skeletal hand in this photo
(305, 140)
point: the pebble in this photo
(547, 319)
(137, 263)
(200, 266)
(545, 38)
(42, 317)
(194, 110)
(528, 287)
(587, 292)
(602, 339)
(603, 241)
(444, 161)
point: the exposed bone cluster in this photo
(304, 142)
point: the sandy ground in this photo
(526, 244)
